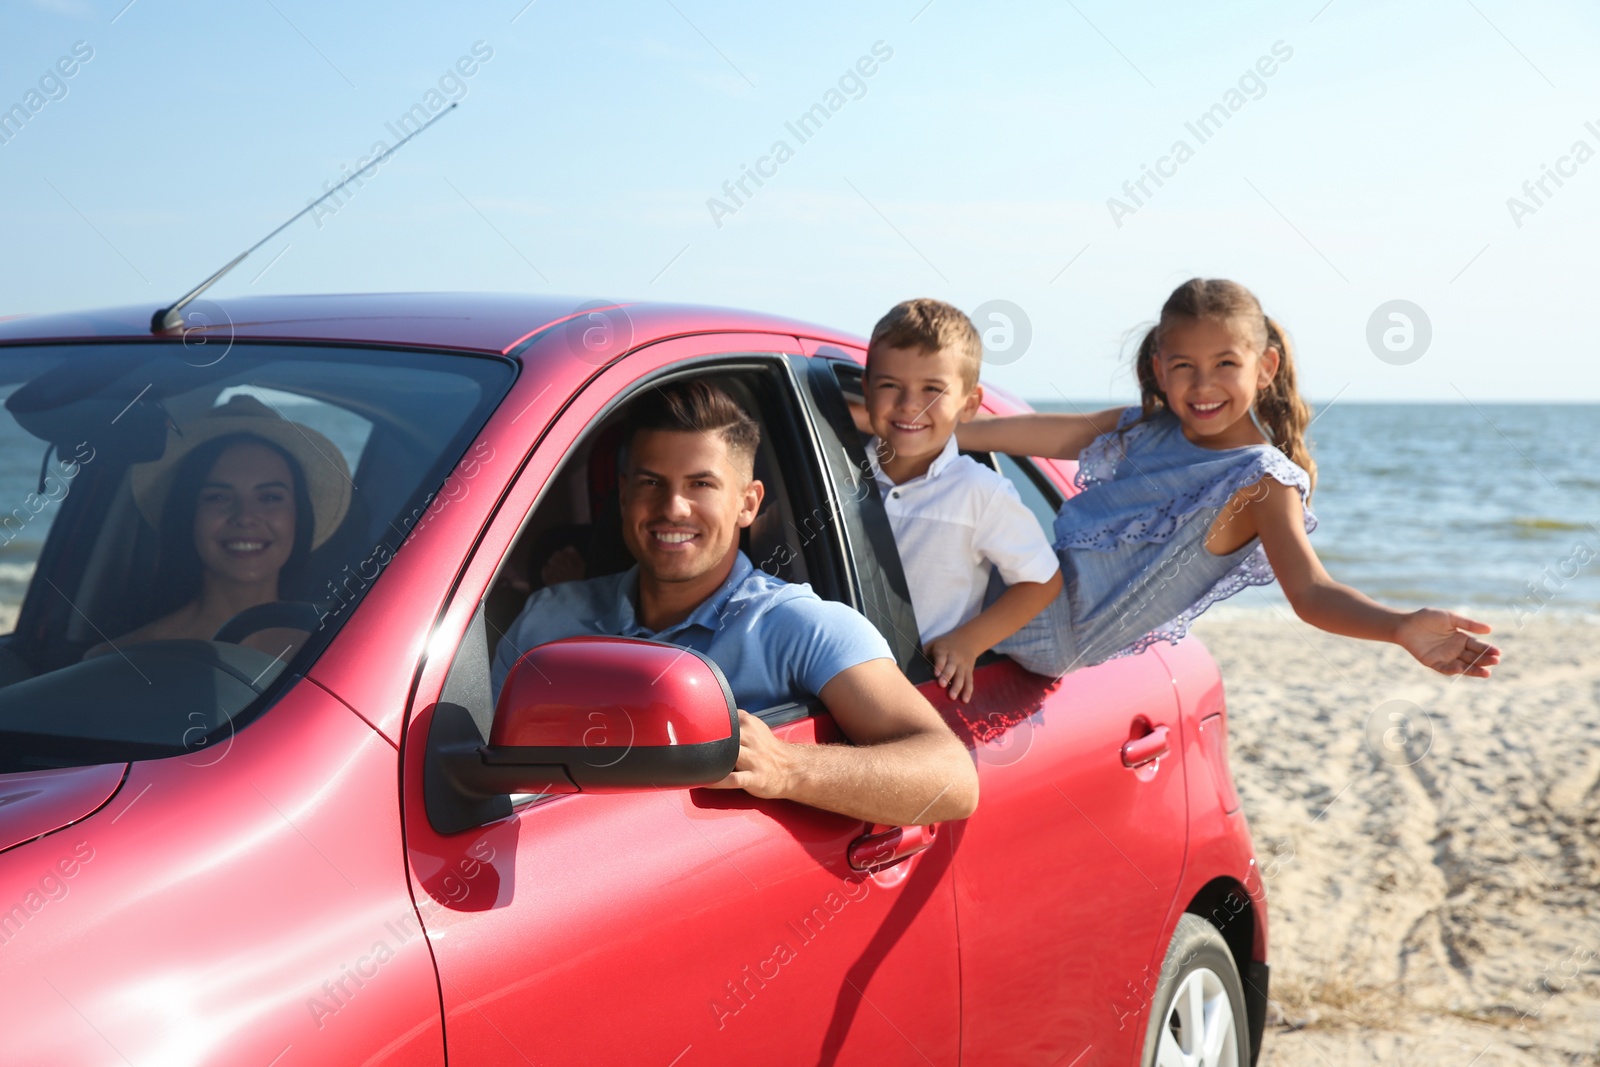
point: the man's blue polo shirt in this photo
(775, 641)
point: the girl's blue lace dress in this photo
(1134, 564)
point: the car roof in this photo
(467, 322)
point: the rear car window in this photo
(175, 534)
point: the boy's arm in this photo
(954, 654)
(1010, 538)
(1438, 639)
(1056, 435)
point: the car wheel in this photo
(1197, 1018)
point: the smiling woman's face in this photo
(244, 521)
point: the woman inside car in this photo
(240, 498)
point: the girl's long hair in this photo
(179, 573)
(1282, 413)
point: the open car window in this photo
(179, 535)
(575, 531)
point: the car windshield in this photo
(178, 527)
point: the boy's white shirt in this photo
(953, 525)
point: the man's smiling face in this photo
(685, 496)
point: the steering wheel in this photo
(288, 614)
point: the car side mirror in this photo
(605, 715)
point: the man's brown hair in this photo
(931, 325)
(698, 407)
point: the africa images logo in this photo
(1205, 126)
(803, 128)
(52, 86)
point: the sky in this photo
(1356, 155)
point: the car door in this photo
(680, 926)
(1065, 873)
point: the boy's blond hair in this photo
(931, 325)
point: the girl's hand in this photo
(859, 416)
(1443, 641)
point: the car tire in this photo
(1197, 1017)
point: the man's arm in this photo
(905, 768)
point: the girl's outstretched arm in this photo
(1056, 435)
(1438, 639)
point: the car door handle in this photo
(872, 851)
(1147, 749)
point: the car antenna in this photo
(170, 318)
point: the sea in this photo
(1481, 507)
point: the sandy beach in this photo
(1430, 846)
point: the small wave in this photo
(1526, 525)
(16, 573)
(1334, 555)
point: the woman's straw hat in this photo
(327, 476)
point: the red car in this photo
(346, 853)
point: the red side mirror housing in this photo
(609, 714)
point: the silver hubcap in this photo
(1199, 1028)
